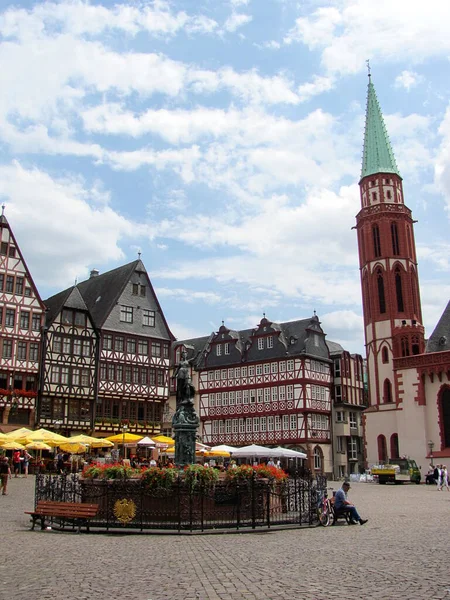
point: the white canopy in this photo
(146, 442)
(225, 448)
(288, 453)
(254, 451)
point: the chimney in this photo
(94, 273)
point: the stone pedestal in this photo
(185, 424)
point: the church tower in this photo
(388, 265)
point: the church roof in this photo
(378, 156)
(440, 338)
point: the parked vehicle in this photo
(397, 470)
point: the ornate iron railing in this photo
(128, 504)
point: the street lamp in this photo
(431, 446)
(124, 430)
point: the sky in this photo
(222, 139)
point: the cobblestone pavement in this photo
(401, 553)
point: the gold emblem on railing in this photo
(124, 510)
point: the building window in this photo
(277, 423)
(9, 283)
(394, 236)
(4, 248)
(262, 424)
(24, 319)
(232, 398)
(156, 349)
(80, 319)
(246, 397)
(259, 369)
(270, 423)
(107, 342)
(285, 422)
(340, 444)
(148, 318)
(317, 459)
(274, 367)
(36, 322)
(260, 343)
(21, 350)
(290, 392)
(143, 347)
(66, 317)
(340, 416)
(353, 449)
(66, 345)
(34, 352)
(256, 424)
(385, 355)
(228, 426)
(118, 344)
(2, 282)
(290, 365)
(381, 296)
(394, 446)
(353, 420)
(219, 350)
(282, 393)
(10, 317)
(387, 388)
(399, 290)
(270, 341)
(266, 369)
(227, 348)
(266, 394)
(338, 393)
(274, 394)
(19, 286)
(86, 348)
(376, 241)
(337, 367)
(259, 394)
(251, 371)
(293, 422)
(126, 314)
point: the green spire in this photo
(378, 156)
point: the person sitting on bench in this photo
(341, 504)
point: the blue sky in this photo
(223, 140)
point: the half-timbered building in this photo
(349, 399)
(269, 385)
(69, 367)
(21, 316)
(122, 371)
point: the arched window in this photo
(385, 355)
(414, 293)
(382, 448)
(366, 298)
(376, 241)
(395, 242)
(445, 417)
(381, 296)
(318, 459)
(399, 290)
(394, 446)
(405, 346)
(387, 391)
(415, 345)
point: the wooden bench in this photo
(78, 512)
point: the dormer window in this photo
(270, 341)
(260, 343)
(227, 348)
(219, 350)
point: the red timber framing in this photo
(282, 398)
(21, 319)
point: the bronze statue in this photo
(185, 421)
(183, 377)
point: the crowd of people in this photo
(440, 476)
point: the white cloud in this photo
(189, 296)
(235, 21)
(388, 31)
(408, 80)
(317, 86)
(61, 227)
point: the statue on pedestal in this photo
(185, 421)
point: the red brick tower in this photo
(388, 263)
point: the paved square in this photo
(401, 553)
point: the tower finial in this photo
(3, 209)
(139, 254)
(368, 67)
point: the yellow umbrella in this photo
(213, 453)
(18, 433)
(42, 435)
(37, 446)
(12, 446)
(3, 437)
(73, 448)
(163, 439)
(91, 441)
(124, 438)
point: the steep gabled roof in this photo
(378, 156)
(439, 340)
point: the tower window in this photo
(376, 241)
(374, 196)
(381, 296)
(387, 391)
(405, 346)
(385, 355)
(399, 290)
(388, 194)
(394, 236)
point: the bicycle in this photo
(325, 509)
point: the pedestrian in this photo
(26, 461)
(5, 473)
(445, 477)
(439, 478)
(16, 463)
(60, 463)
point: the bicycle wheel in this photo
(325, 518)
